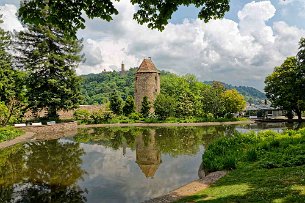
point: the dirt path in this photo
(189, 189)
(166, 124)
(21, 139)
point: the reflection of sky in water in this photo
(112, 177)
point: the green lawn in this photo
(258, 185)
(265, 167)
(9, 133)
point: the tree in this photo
(50, 59)
(145, 109)
(165, 106)
(12, 86)
(233, 101)
(116, 103)
(285, 89)
(129, 106)
(68, 14)
(185, 105)
(6, 70)
(212, 101)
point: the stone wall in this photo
(48, 132)
(146, 84)
(66, 114)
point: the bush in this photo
(251, 155)
(267, 149)
(8, 133)
(135, 116)
(101, 116)
(82, 115)
(210, 117)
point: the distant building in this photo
(123, 69)
(263, 111)
(147, 83)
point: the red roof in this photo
(147, 66)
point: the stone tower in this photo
(122, 69)
(147, 83)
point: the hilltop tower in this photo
(122, 69)
(147, 83)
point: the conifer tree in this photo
(129, 106)
(116, 103)
(50, 59)
(12, 89)
(6, 70)
(145, 107)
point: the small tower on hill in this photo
(147, 83)
(122, 69)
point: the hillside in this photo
(251, 94)
(96, 88)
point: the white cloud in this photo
(8, 12)
(240, 53)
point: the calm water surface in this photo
(108, 164)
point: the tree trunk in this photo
(299, 113)
(52, 113)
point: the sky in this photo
(240, 49)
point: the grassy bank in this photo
(9, 133)
(266, 167)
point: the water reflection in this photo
(41, 172)
(148, 155)
(108, 164)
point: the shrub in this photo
(266, 149)
(8, 133)
(82, 115)
(210, 117)
(135, 116)
(251, 155)
(101, 116)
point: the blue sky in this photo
(289, 13)
(241, 49)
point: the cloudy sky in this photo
(241, 49)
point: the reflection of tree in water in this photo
(171, 140)
(47, 172)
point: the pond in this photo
(108, 164)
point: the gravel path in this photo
(21, 139)
(189, 189)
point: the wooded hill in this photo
(96, 88)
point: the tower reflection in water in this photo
(148, 154)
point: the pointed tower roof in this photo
(147, 66)
(149, 170)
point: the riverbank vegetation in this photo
(285, 86)
(38, 72)
(97, 88)
(267, 166)
(9, 133)
(182, 99)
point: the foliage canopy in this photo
(68, 14)
(50, 59)
(285, 86)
